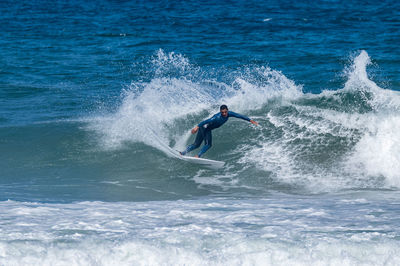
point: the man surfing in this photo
(204, 129)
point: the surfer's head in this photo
(224, 110)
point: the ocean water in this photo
(90, 94)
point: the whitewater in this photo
(326, 142)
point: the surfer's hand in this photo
(195, 129)
(254, 122)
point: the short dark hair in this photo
(223, 107)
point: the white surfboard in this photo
(201, 161)
(213, 164)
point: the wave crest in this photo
(344, 139)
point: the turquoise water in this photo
(90, 94)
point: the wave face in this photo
(335, 140)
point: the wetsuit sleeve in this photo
(233, 114)
(206, 121)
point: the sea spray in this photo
(329, 139)
(150, 109)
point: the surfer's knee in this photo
(208, 143)
(207, 146)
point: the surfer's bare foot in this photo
(196, 156)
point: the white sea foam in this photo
(378, 151)
(282, 230)
(372, 138)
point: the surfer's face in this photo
(224, 112)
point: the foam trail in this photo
(181, 141)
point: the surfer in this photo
(203, 129)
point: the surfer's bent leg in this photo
(207, 142)
(197, 142)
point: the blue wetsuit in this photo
(205, 128)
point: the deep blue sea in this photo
(91, 93)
